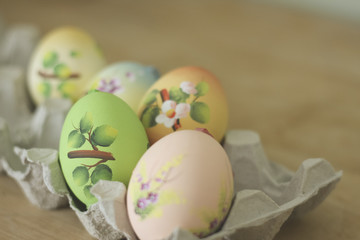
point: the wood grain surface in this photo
(291, 76)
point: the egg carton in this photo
(267, 193)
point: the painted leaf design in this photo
(93, 91)
(86, 123)
(101, 172)
(50, 59)
(202, 88)
(62, 71)
(88, 194)
(151, 97)
(143, 212)
(74, 54)
(104, 135)
(67, 89)
(75, 139)
(148, 116)
(178, 95)
(80, 175)
(45, 89)
(200, 112)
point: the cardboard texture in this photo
(265, 199)
(36, 178)
(107, 219)
(17, 43)
(33, 169)
(13, 101)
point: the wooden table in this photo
(293, 77)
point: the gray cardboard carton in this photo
(267, 193)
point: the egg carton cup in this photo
(33, 171)
(17, 43)
(40, 129)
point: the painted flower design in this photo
(131, 76)
(176, 102)
(145, 186)
(148, 194)
(152, 197)
(214, 223)
(213, 219)
(188, 87)
(139, 178)
(113, 86)
(171, 111)
(142, 203)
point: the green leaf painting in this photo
(75, 139)
(104, 135)
(62, 71)
(75, 54)
(67, 89)
(178, 95)
(50, 59)
(88, 194)
(148, 116)
(101, 172)
(200, 112)
(202, 89)
(86, 122)
(45, 89)
(151, 97)
(80, 175)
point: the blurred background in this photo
(290, 70)
(346, 9)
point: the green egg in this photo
(102, 138)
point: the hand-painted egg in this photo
(63, 62)
(185, 98)
(127, 80)
(184, 180)
(102, 138)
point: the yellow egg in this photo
(62, 64)
(185, 98)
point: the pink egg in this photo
(184, 180)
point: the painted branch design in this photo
(91, 154)
(103, 135)
(96, 164)
(55, 77)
